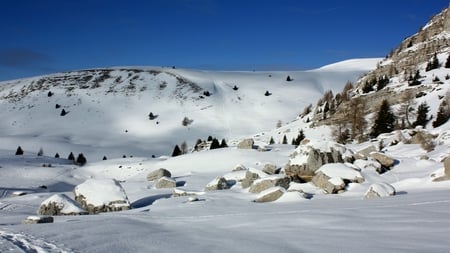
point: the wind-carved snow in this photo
(13, 242)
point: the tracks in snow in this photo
(21, 243)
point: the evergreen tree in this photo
(71, 157)
(235, 88)
(367, 87)
(447, 63)
(210, 138)
(63, 112)
(267, 93)
(223, 144)
(199, 141)
(382, 82)
(433, 64)
(271, 141)
(19, 151)
(442, 115)
(289, 79)
(422, 112)
(81, 160)
(214, 144)
(57, 155)
(285, 140)
(384, 122)
(413, 81)
(176, 151)
(104, 158)
(40, 152)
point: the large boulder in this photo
(250, 177)
(306, 160)
(378, 190)
(446, 175)
(157, 174)
(270, 194)
(262, 184)
(219, 183)
(60, 204)
(246, 144)
(101, 195)
(365, 152)
(383, 159)
(165, 182)
(333, 178)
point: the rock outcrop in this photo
(262, 184)
(246, 144)
(60, 204)
(270, 169)
(101, 195)
(270, 195)
(306, 160)
(165, 182)
(383, 159)
(333, 178)
(219, 183)
(157, 174)
(250, 177)
(379, 190)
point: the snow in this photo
(67, 205)
(415, 220)
(99, 192)
(339, 170)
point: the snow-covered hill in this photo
(108, 109)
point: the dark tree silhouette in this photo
(443, 114)
(40, 152)
(49, 94)
(447, 63)
(223, 144)
(104, 158)
(413, 81)
(71, 157)
(210, 138)
(214, 144)
(57, 106)
(235, 88)
(63, 112)
(56, 155)
(176, 151)
(289, 79)
(271, 141)
(384, 122)
(267, 93)
(284, 140)
(207, 93)
(81, 160)
(19, 151)
(151, 116)
(422, 112)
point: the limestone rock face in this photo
(262, 184)
(165, 182)
(270, 194)
(157, 174)
(101, 195)
(379, 190)
(246, 144)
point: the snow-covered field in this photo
(304, 219)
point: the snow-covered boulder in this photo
(182, 193)
(270, 194)
(383, 159)
(262, 184)
(219, 183)
(165, 182)
(446, 175)
(37, 220)
(239, 167)
(246, 144)
(270, 169)
(378, 190)
(101, 195)
(333, 177)
(157, 174)
(365, 152)
(306, 160)
(60, 204)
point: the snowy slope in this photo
(107, 109)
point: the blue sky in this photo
(47, 36)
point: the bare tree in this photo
(184, 148)
(356, 116)
(407, 100)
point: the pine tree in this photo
(442, 115)
(413, 81)
(210, 138)
(271, 141)
(19, 151)
(288, 79)
(267, 93)
(81, 160)
(235, 88)
(223, 144)
(447, 63)
(214, 144)
(104, 158)
(57, 155)
(176, 151)
(422, 112)
(63, 112)
(384, 122)
(71, 157)
(40, 152)
(285, 140)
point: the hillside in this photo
(108, 109)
